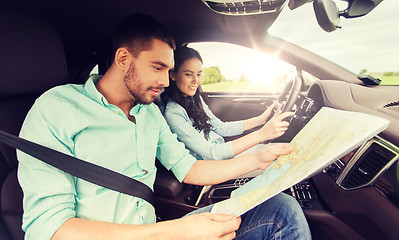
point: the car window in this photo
(363, 45)
(234, 68)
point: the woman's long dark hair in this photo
(192, 105)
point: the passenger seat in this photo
(32, 60)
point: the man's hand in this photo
(207, 226)
(275, 127)
(267, 155)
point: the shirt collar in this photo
(92, 92)
(136, 109)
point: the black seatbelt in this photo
(81, 169)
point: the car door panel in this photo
(237, 106)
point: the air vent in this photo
(391, 108)
(392, 104)
(369, 166)
(244, 7)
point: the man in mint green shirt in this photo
(112, 122)
(78, 120)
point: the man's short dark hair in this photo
(137, 32)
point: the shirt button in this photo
(117, 112)
(141, 179)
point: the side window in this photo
(234, 68)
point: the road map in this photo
(328, 136)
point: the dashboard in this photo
(363, 185)
(375, 162)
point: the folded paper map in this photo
(328, 136)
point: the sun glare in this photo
(267, 68)
(241, 65)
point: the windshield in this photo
(364, 45)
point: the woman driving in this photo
(198, 128)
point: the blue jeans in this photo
(280, 217)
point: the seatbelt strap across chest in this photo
(81, 169)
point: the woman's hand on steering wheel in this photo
(276, 126)
(267, 114)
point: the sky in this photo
(373, 37)
(370, 42)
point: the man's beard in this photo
(134, 85)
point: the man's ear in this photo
(172, 75)
(122, 58)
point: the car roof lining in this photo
(179, 16)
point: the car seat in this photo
(32, 60)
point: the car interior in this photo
(48, 43)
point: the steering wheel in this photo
(285, 102)
(288, 96)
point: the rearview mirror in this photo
(326, 14)
(358, 8)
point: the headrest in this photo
(32, 57)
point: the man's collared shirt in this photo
(78, 120)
